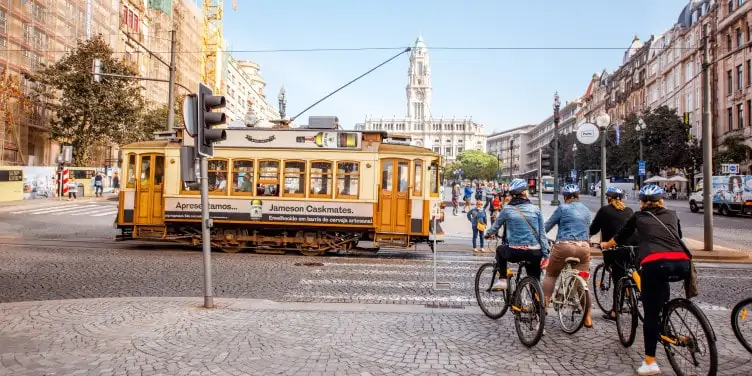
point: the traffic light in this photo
(206, 135)
(545, 163)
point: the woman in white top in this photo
(72, 189)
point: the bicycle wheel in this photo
(529, 311)
(698, 342)
(740, 324)
(602, 288)
(493, 303)
(573, 311)
(626, 313)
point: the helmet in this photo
(651, 192)
(570, 190)
(614, 192)
(517, 186)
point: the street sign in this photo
(641, 168)
(574, 174)
(729, 168)
(68, 153)
(587, 133)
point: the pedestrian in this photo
(468, 195)
(488, 192)
(72, 189)
(116, 183)
(98, 185)
(478, 221)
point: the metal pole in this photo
(540, 180)
(707, 147)
(641, 158)
(574, 165)
(206, 232)
(555, 201)
(171, 90)
(603, 165)
(435, 282)
(511, 159)
(60, 181)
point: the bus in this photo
(547, 182)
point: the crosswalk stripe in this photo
(394, 297)
(49, 209)
(426, 272)
(397, 266)
(86, 208)
(105, 213)
(380, 284)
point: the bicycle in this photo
(602, 288)
(523, 295)
(571, 291)
(739, 314)
(628, 287)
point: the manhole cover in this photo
(309, 264)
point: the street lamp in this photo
(511, 159)
(282, 100)
(574, 162)
(603, 121)
(640, 127)
(555, 201)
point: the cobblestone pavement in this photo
(244, 337)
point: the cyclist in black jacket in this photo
(608, 221)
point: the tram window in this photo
(295, 178)
(145, 170)
(131, 171)
(403, 172)
(217, 176)
(242, 177)
(158, 170)
(433, 174)
(268, 180)
(321, 179)
(348, 178)
(418, 178)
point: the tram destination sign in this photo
(263, 210)
(290, 139)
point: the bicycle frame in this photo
(567, 272)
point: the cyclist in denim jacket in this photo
(572, 240)
(524, 238)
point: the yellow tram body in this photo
(274, 190)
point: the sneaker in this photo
(648, 369)
(499, 285)
(475, 250)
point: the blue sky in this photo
(499, 89)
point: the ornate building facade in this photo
(447, 136)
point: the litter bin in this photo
(81, 190)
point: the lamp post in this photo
(282, 100)
(603, 121)
(574, 162)
(555, 201)
(511, 159)
(640, 128)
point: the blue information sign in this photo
(641, 168)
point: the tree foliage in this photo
(13, 104)
(86, 112)
(733, 151)
(474, 164)
(666, 144)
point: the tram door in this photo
(149, 188)
(394, 196)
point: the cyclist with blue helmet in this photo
(523, 237)
(572, 240)
(662, 259)
(608, 221)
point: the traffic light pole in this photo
(540, 179)
(206, 225)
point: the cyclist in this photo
(524, 237)
(662, 259)
(572, 240)
(456, 197)
(608, 221)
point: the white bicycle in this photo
(571, 297)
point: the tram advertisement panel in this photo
(264, 210)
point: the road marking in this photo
(397, 297)
(414, 273)
(105, 213)
(81, 210)
(365, 265)
(47, 209)
(380, 284)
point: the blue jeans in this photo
(477, 235)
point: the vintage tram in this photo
(291, 189)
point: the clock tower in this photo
(418, 88)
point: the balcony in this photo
(744, 133)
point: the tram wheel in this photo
(310, 251)
(231, 249)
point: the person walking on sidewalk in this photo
(478, 221)
(72, 189)
(523, 238)
(572, 240)
(468, 196)
(115, 183)
(489, 195)
(98, 185)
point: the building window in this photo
(739, 37)
(3, 27)
(749, 72)
(730, 6)
(348, 179)
(448, 151)
(321, 179)
(242, 177)
(689, 106)
(459, 149)
(295, 178)
(729, 47)
(730, 118)
(739, 77)
(729, 82)
(749, 112)
(268, 178)
(688, 72)
(740, 115)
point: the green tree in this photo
(87, 112)
(474, 164)
(733, 151)
(666, 140)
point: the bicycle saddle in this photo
(572, 261)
